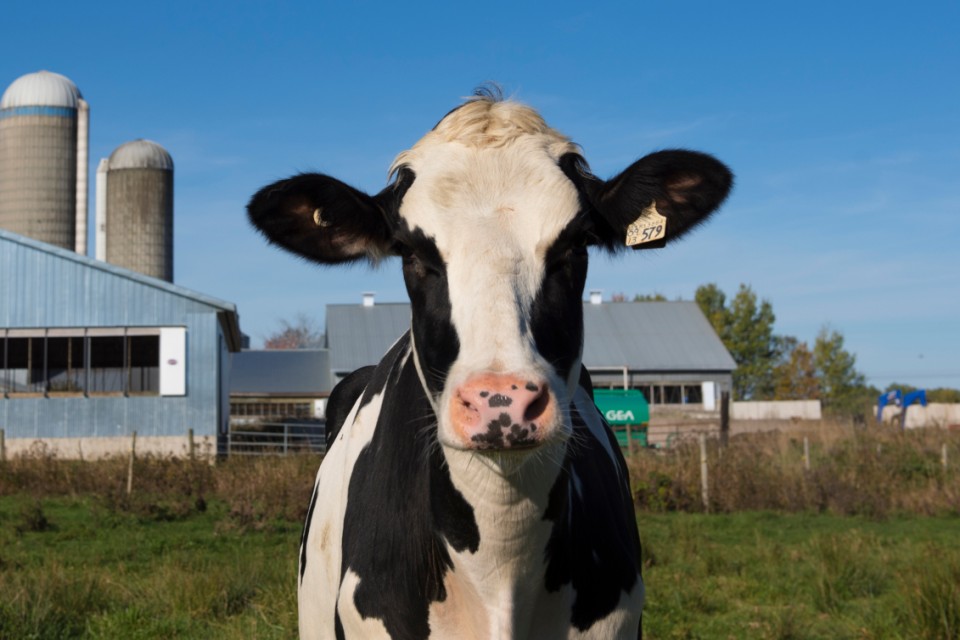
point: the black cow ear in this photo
(322, 219)
(659, 198)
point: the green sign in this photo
(622, 406)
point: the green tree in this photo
(746, 329)
(943, 394)
(713, 302)
(843, 389)
(795, 378)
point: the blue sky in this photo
(840, 119)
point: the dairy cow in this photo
(471, 488)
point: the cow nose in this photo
(499, 411)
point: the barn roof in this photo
(643, 336)
(359, 335)
(45, 270)
(281, 372)
(652, 336)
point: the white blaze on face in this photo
(493, 212)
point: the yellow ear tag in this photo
(649, 227)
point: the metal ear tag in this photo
(318, 218)
(649, 227)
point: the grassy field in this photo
(766, 575)
(70, 568)
(864, 544)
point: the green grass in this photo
(765, 575)
(93, 573)
(72, 567)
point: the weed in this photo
(33, 519)
(931, 597)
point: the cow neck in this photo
(507, 572)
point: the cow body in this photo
(473, 489)
(472, 552)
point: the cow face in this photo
(492, 213)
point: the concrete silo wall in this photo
(139, 224)
(38, 174)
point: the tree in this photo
(795, 378)
(650, 297)
(746, 329)
(712, 301)
(302, 333)
(843, 389)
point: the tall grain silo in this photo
(44, 124)
(135, 214)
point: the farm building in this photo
(277, 401)
(91, 352)
(667, 350)
(279, 384)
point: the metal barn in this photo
(91, 352)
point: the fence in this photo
(277, 438)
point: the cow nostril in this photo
(536, 408)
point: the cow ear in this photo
(659, 198)
(322, 219)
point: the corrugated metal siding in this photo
(43, 287)
(652, 336)
(358, 336)
(287, 371)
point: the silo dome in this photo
(41, 89)
(43, 160)
(140, 154)
(135, 228)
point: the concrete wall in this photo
(776, 410)
(95, 448)
(935, 414)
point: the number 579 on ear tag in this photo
(649, 227)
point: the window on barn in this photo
(143, 359)
(66, 365)
(25, 364)
(672, 394)
(76, 362)
(107, 362)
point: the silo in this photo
(138, 218)
(40, 124)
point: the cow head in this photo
(492, 213)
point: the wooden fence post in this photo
(704, 483)
(943, 457)
(3, 445)
(190, 445)
(806, 453)
(629, 443)
(724, 418)
(133, 453)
